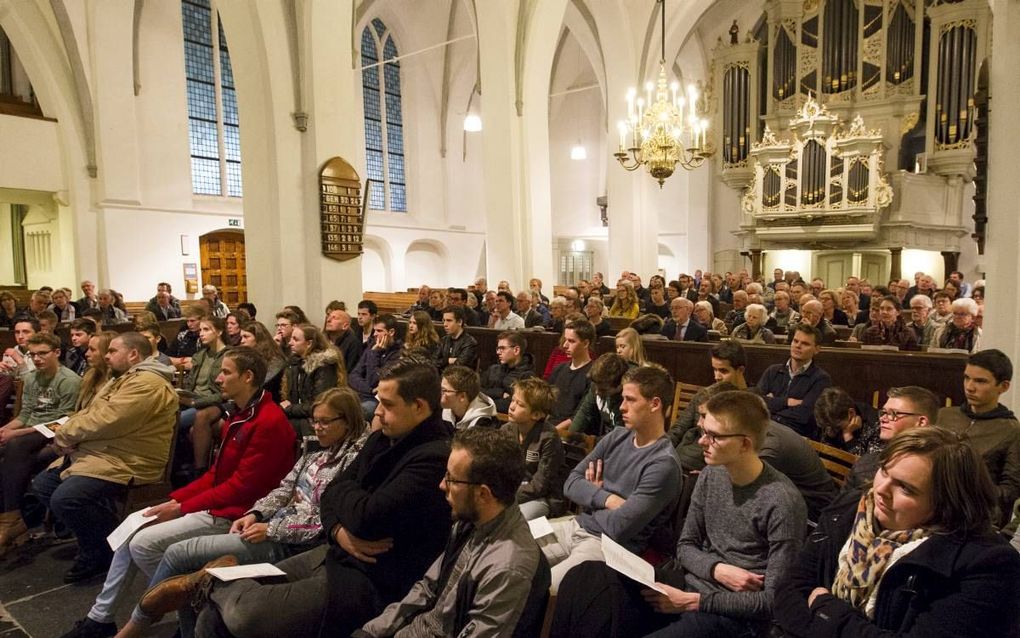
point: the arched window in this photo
(384, 121)
(213, 126)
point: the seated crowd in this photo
(392, 479)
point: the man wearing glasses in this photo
(907, 407)
(49, 393)
(501, 588)
(742, 532)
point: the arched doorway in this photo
(223, 264)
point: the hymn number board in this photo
(341, 212)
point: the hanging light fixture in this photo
(663, 128)
(472, 123)
(578, 152)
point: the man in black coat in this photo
(383, 517)
(514, 364)
(790, 389)
(680, 327)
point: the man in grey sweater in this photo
(742, 532)
(626, 485)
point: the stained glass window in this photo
(214, 130)
(384, 127)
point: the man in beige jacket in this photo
(123, 436)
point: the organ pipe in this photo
(954, 107)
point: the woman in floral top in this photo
(286, 521)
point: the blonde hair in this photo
(631, 337)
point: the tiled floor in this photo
(35, 602)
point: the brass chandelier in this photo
(665, 132)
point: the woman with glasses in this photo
(283, 523)
(960, 332)
(916, 555)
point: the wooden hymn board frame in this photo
(341, 210)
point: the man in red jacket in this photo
(256, 452)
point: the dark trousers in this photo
(18, 460)
(86, 505)
(595, 600)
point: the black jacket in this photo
(695, 331)
(464, 349)
(184, 344)
(391, 491)
(498, 379)
(806, 386)
(350, 346)
(305, 379)
(948, 586)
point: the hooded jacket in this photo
(996, 436)
(304, 379)
(480, 412)
(124, 434)
(499, 378)
(256, 451)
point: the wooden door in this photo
(833, 268)
(223, 265)
(875, 268)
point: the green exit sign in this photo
(234, 223)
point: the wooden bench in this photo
(682, 397)
(837, 462)
(391, 302)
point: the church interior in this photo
(202, 142)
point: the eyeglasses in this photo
(714, 438)
(504, 348)
(893, 415)
(445, 391)
(39, 355)
(283, 325)
(321, 423)
(452, 481)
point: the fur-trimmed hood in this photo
(316, 360)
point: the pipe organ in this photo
(828, 173)
(907, 67)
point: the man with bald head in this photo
(811, 313)
(338, 330)
(680, 327)
(735, 317)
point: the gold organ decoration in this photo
(341, 210)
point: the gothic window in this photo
(214, 129)
(384, 121)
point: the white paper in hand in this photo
(131, 524)
(258, 570)
(540, 527)
(44, 429)
(629, 564)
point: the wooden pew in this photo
(859, 372)
(390, 302)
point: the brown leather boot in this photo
(175, 592)
(13, 531)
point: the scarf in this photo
(864, 559)
(954, 337)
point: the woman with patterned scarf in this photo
(961, 331)
(916, 555)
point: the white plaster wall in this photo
(6, 257)
(30, 154)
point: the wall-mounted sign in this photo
(234, 223)
(341, 212)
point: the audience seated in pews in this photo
(845, 423)
(283, 523)
(990, 427)
(123, 436)
(338, 330)
(111, 314)
(385, 522)
(915, 555)
(791, 389)
(364, 379)
(920, 320)
(61, 305)
(753, 329)
(314, 367)
(627, 486)
(515, 363)
(50, 392)
(184, 345)
(961, 331)
(890, 330)
(811, 314)
(681, 326)
(595, 311)
(216, 306)
(626, 303)
(464, 405)
(783, 315)
(458, 298)
(540, 491)
(502, 316)
(164, 305)
(98, 371)
(74, 357)
(367, 312)
(88, 300)
(740, 536)
(532, 317)
(8, 310)
(705, 316)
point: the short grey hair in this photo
(966, 304)
(683, 301)
(755, 308)
(924, 299)
(704, 305)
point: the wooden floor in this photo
(35, 602)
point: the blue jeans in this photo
(87, 506)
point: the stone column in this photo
(895, 263)
(756, 262)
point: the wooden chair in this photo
(19, 389)
(837, 462)
(682, 396)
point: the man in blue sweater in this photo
(790, 389)
(628, 483)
